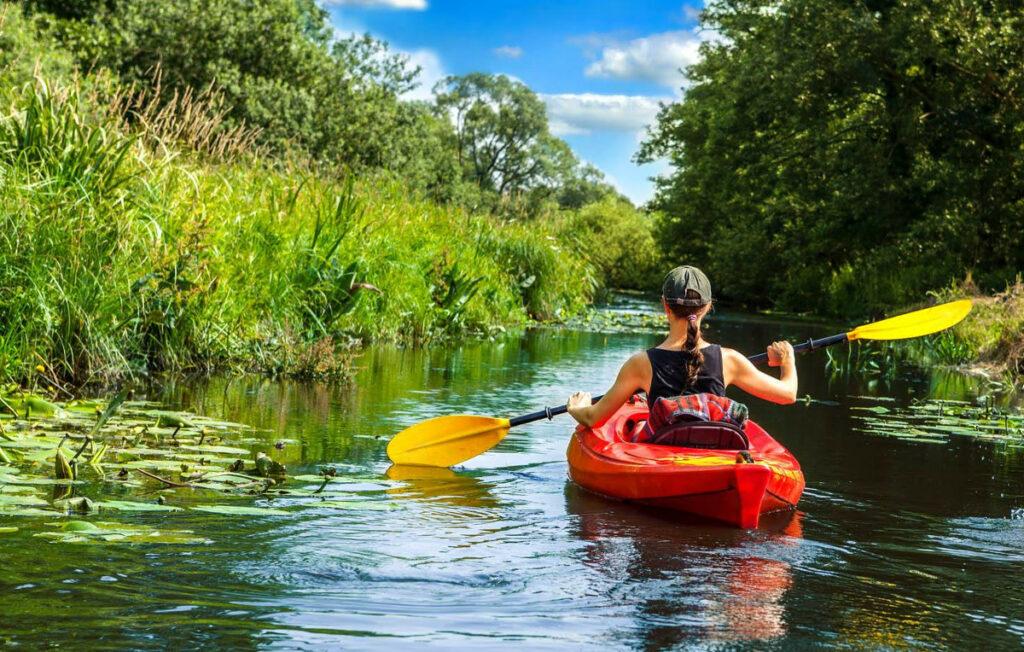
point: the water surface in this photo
(896, 543)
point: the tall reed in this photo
(130, 246)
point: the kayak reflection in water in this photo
(688, 585)
(685, 363)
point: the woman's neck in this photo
(677, 335)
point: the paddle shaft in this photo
(550, 412)
(546, 413)
(809, 345)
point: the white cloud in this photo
(509, 51)
(657, 58)
(416, 5)
(431, 72)
(571, 113)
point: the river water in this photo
(896, 543)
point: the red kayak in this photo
(722, 472)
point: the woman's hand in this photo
(578, 406)
(580, 399)
(780, 353)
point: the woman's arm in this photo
(740, 371)
(635, 374)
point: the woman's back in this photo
(668, 373)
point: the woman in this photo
(685, 363)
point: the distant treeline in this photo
(847, 157)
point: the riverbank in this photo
(122, 254)
(990, 341)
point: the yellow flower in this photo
(40, 368)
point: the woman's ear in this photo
(664, 306)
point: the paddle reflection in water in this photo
(441, 489)
(688, 579)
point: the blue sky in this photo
(602, 66)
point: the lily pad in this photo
(27, 511)
(89, 532)
(877, 409)
(217, 450)
(239, 510)
(7, 499)
(172, 420)
(132, 506)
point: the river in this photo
(895, 544)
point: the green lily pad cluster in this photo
(103, 532)
(936, 421)
(617, 321)
(123, 457)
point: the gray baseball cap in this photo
(683, 279)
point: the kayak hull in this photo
(715, 484)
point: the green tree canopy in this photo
(501, 133)
(848, 156)
(277, 65)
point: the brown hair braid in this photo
(696, 359)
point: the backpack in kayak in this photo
(696, 421)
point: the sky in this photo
(602, 67)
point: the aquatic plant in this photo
(85, 458)
(861, 358)
(937, 420)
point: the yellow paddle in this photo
(444, 441)
(902, 327)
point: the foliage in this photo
(114, 259)
(274, 69)
(991, 337)
(846, 157)
(28, 48)
(501, 133)
(861, 357)
(275, 66)
(620, 242)
(216, 183)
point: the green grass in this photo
(991, 338)
(118, 256)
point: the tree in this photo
(501, 135)
(847, 157)
(276, 64)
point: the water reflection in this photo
(899, 544)
(684, 578)
(443, 487)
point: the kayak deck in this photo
(717, 484)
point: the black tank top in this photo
(668, 373)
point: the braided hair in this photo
(696, 358)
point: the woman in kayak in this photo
(685, 363)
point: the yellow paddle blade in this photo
(445, 441)
(914, 324)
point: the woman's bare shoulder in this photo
(731, 353)
(638, 361)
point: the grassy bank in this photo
(126, 249)
(990, 340)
